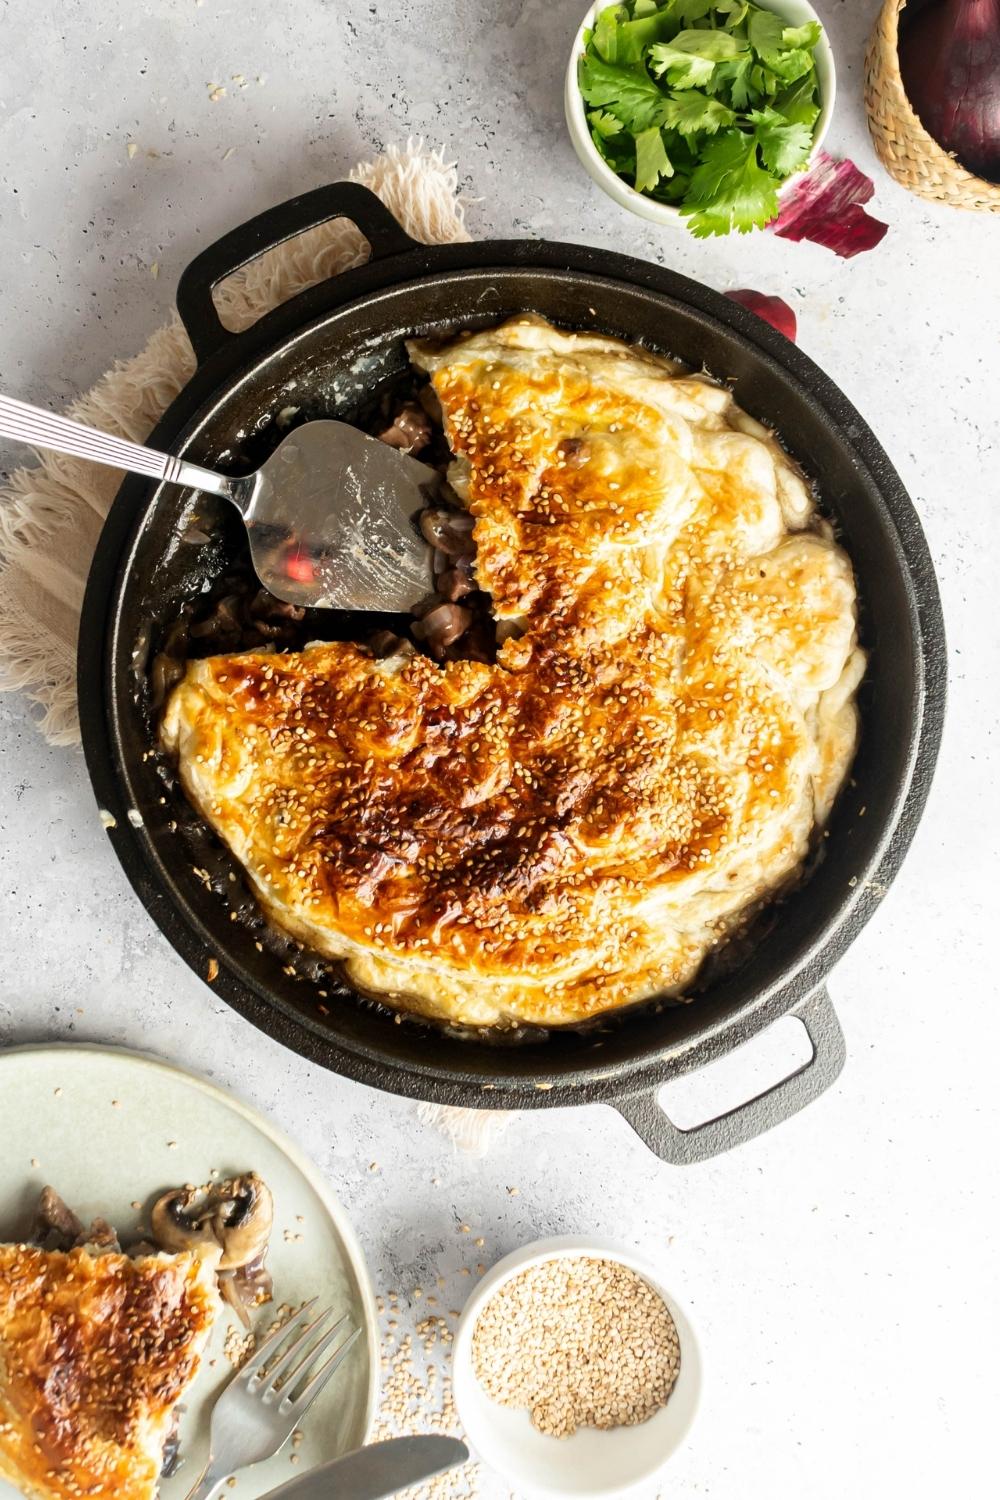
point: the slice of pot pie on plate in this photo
(579, 823)
(98, 1347)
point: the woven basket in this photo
(909, 154)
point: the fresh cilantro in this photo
(797, 103)
(784, 147)
(619, 153)
(620, 39)
(729, 185)
(732, 79)
(686, 11)
(704, 222)
(651, 159)
(603, 123)
(767, 34)
(722, 161)
(796, 63)
(690, 59)
(630, 95)
(763, 82)
(765, 31)
(705, 104)
(605, 32)
(802, 36)
(690, 112)
(682, 70)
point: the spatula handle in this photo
(45, 429)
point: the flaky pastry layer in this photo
(577, 826)
(95, 1353)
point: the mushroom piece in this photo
(410, 430)
(441, 626)
(450, 531)
(56, 1226)
(246, 1288)
(235, 1218)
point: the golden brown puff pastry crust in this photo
(95, 1353)
(577, 826)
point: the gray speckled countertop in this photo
(843, 1269)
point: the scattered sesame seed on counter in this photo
(417, 1395)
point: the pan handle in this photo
(681, 1147)
(339, 200)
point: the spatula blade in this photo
(331, 523)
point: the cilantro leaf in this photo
(714, 45)
(703, 222)
(629, 94)
(684, 153)
(690, 59)
(802, 36)
(793, 64)
(651, 159)
(730, 187)
(721, 159)
(682, 70)
(604, 123)
(765, 83)
(620, 39)
(686, 11)
(691, 112)
(605, 28)
(619, 153)
(784, 146)
(798, 102)
(734, 77)
(766, 33)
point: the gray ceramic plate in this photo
(107, 1128)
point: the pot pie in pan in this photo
(575, 821)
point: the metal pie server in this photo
(380, 1469)
(330, 515)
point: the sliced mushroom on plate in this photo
(232, 1220)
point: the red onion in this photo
(949, 58)
(774, 310)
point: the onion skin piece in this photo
(825, 206)
(773, 310)
(949, 59)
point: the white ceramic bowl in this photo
(796, 12)
(591, 1462)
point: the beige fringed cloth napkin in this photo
(51, 514)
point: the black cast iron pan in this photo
(325, 351)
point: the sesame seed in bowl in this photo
(576, 1373)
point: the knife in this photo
(380, 1469)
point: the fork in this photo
(264, 1403)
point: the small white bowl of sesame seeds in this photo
(576, 1373)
